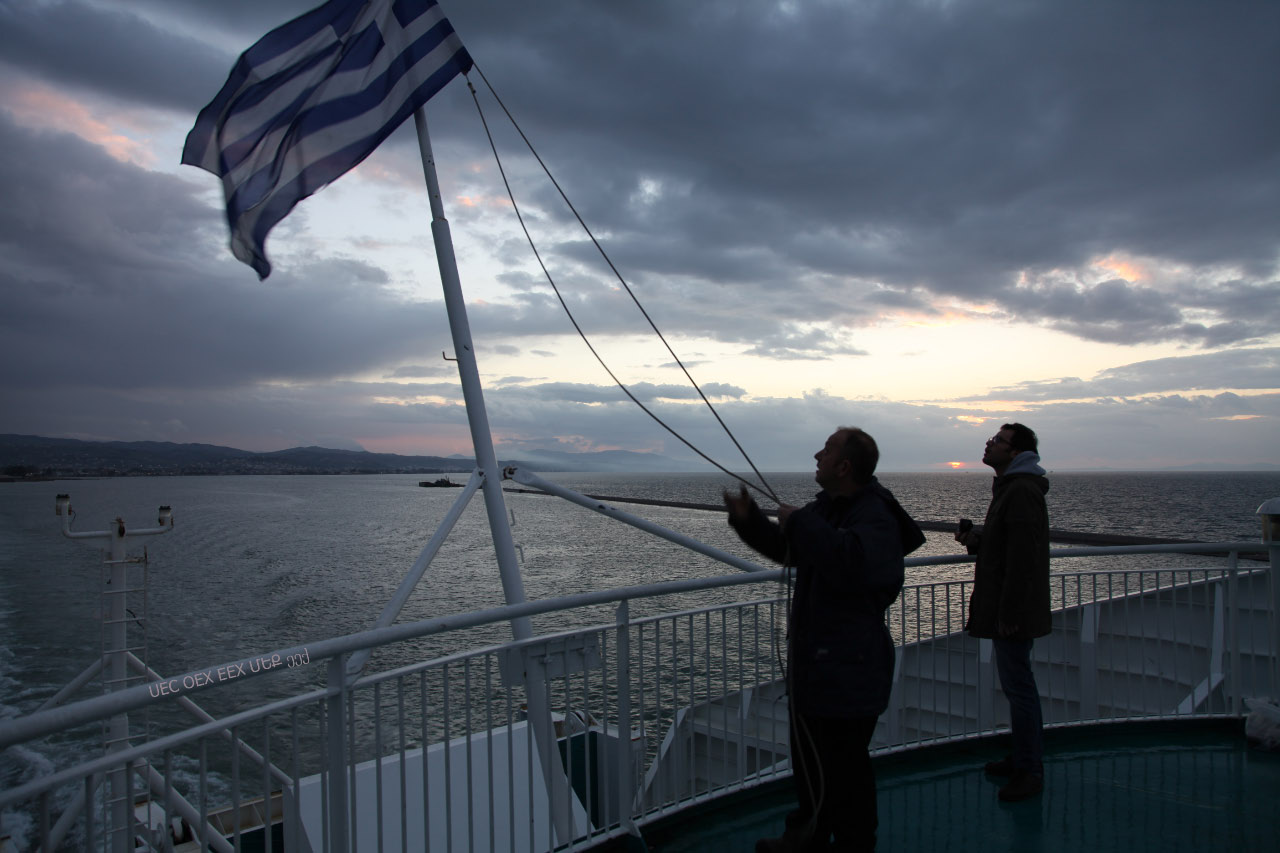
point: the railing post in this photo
(626, 779)
(1270, 514)
(116, 674)
(1088, 668)
(893, 715)
(1233, 622)
(335, 722)
(986, 687)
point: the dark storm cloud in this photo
(1117, 311)
(869, 150)
(116, 276)
(769, 175)
(801, 345)
(1255, 308)
(262, 417)
(249, 19)
(948, 147)
(1221, 429)
(421, 371)
(577, 392)
(782, 434)
(1113, 311)
(1243, 369)
(109, 50)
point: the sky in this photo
(922, 217)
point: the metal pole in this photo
(1269, 512)
(335, 753)
(116, 671)
(626, 777)
(495, 505)
(528, 478)
(469, 373)
(114, 660)
(397, 602)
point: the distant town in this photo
(34, 457)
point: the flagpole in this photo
(487, 464)
(477, 417)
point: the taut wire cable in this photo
(768, 490)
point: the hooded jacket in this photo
(1011, 579)
(848, 554)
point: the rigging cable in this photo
(768, 490)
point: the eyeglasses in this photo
(999, 439)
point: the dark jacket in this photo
(848, 553)
(1011, 580)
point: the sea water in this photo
(256, 564)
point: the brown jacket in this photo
(1011, 580)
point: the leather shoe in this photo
(1003, 767)
(793, 840)
(1022, 786)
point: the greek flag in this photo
(311, 100)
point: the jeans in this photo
(1013, 663)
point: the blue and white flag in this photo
(311, 100)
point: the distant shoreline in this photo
(30, 456)
(321, 472)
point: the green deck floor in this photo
(1132, 789)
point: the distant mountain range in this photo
(25, 456)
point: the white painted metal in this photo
(487, 464)
(704, 695)
(429, 551)
(1269, 512)
(113, 664)
(529, 478)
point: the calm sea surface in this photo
(256, 564)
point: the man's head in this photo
(847, 461)
(1005, 445)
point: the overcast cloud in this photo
(822, 205)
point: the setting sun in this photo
(956, 465)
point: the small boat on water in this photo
(440, 483)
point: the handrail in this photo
(42, 723)
(350, 729)
(46, 722)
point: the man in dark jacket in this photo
(847, 547)
(1010, 602)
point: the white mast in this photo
(487, 463)
(477, 417)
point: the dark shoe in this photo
(793, 840)
(1003, 767)
(1023, 786)
(776, 845)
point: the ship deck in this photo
(1132, 787)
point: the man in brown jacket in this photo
(1010, 602)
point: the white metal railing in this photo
(655, 709)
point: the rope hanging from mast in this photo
(767, 490)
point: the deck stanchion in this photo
(336, 730)
(626, 781)
(986, 687)
(1270, 514)
(1088, 661)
